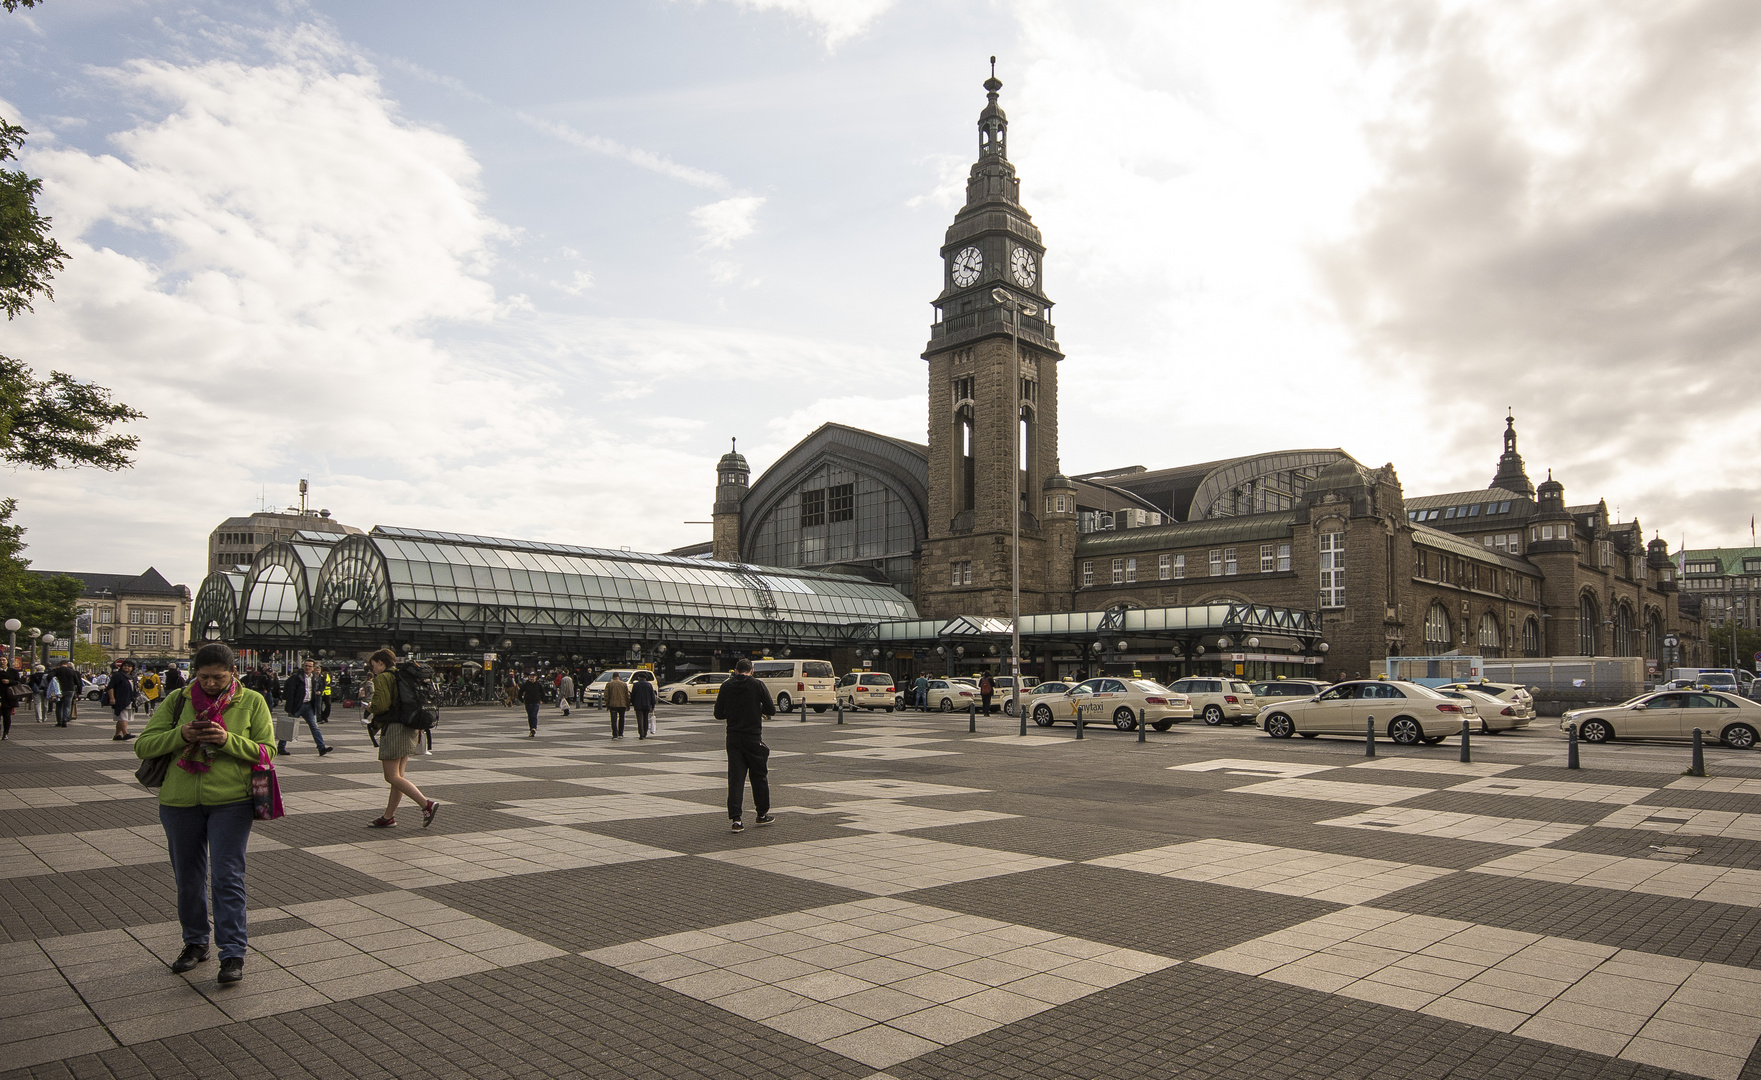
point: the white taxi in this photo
(1120, 700)
(1406, 712)
(1728, 718)
(699, 688)
(1218, 698)
(867, 690)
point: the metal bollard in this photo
(804, 710)
(1698, 768)
(1369, 736)
(1466, 753)
(1079, 721)
(971, 719)
(1023, 718)
(840, 710)
(1571, 746)
(1143, 723)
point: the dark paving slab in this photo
(1512, 806)
(1048, 837)
(50, 905)
(1192, 1021)
(297, 877)
(1640, 844)
(351, 826)
(80, 817)
(564, 1017)
(1165, 916)
(1690, 929)
(698, 835)
(1734, 802)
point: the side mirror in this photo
(1641, 707)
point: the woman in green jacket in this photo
(396, 742)
(218, 730)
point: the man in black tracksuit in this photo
(742, 703)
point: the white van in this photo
(793, 681)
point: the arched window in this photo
(1623, 631)
(1654, 637)
(1589, 625)
(1437, 636)
(1531, 637)
(1491, 637)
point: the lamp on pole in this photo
(12, 626)
(1017, 308)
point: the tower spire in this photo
(1512, 475)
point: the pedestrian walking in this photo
(40, 691)
(149, 690)
(396, 742)
(219, 730)
(174, 679)
(921, 692)
(324, 701)
(119, 694)
(565, 692)
(15, 687)
(643, 699)
(742, 703)
(532, 696)
(985, 689)
(617, 699)
(302, 693)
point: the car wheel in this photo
(679, 698)
(1739, 737)
(1433, 740)
(947, 704)
(1042, 715)
(1008, 708)
(889, 709)
(783, 703)
(1279, 726)
(1124, 718)
(1595, 731)
(821, 708)
(1405, 731)
(1162, 725)
(1213, 715)
(1309, 734)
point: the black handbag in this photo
(151, 772)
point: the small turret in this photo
(1512, 475)
(732, 479)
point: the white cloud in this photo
(646, 159)
(729, 220)
(579, 283)
(838, 20)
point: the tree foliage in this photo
(1718, 647)
(59, 422)
(33, 599)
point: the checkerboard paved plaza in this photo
(930, 903)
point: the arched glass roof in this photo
(217, 603)
(415, 580)
(276, 597)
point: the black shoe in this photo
(232, 969)
(739, 826)
(765, 819)
(189, 958)
(126, 738)
(322, 750)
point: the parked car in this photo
(1510, 693)
(1673, 714)
(1218, 698)
(1405, 711)
(93, 688)
(1005, 686)
(949, 695)
(869, 690)
(1117, 699)
(699, 688)
(792, 682)
(594, 695)
(1495, 714)
(1277, 688)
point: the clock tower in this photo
(993, 404)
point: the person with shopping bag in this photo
(217, 735)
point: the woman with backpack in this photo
(396, 742)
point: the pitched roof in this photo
(151, 583)
(1466, 498)
(1443, 541)
(1181, 534)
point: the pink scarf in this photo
(199, 757)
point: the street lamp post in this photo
(1017, 308)
(12, 626)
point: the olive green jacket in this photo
(249, 729)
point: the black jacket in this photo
(293, 691)
(743, 702)
(532, 692)
(68, 678)
(642, 696)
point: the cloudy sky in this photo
(525, 269)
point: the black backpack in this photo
(415, 706)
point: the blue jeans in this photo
(201, 837)
(63, 709)
(309, 713)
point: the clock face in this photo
(1022, 266)
(967, 266)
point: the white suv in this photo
(1217, 698)
(867, 690)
